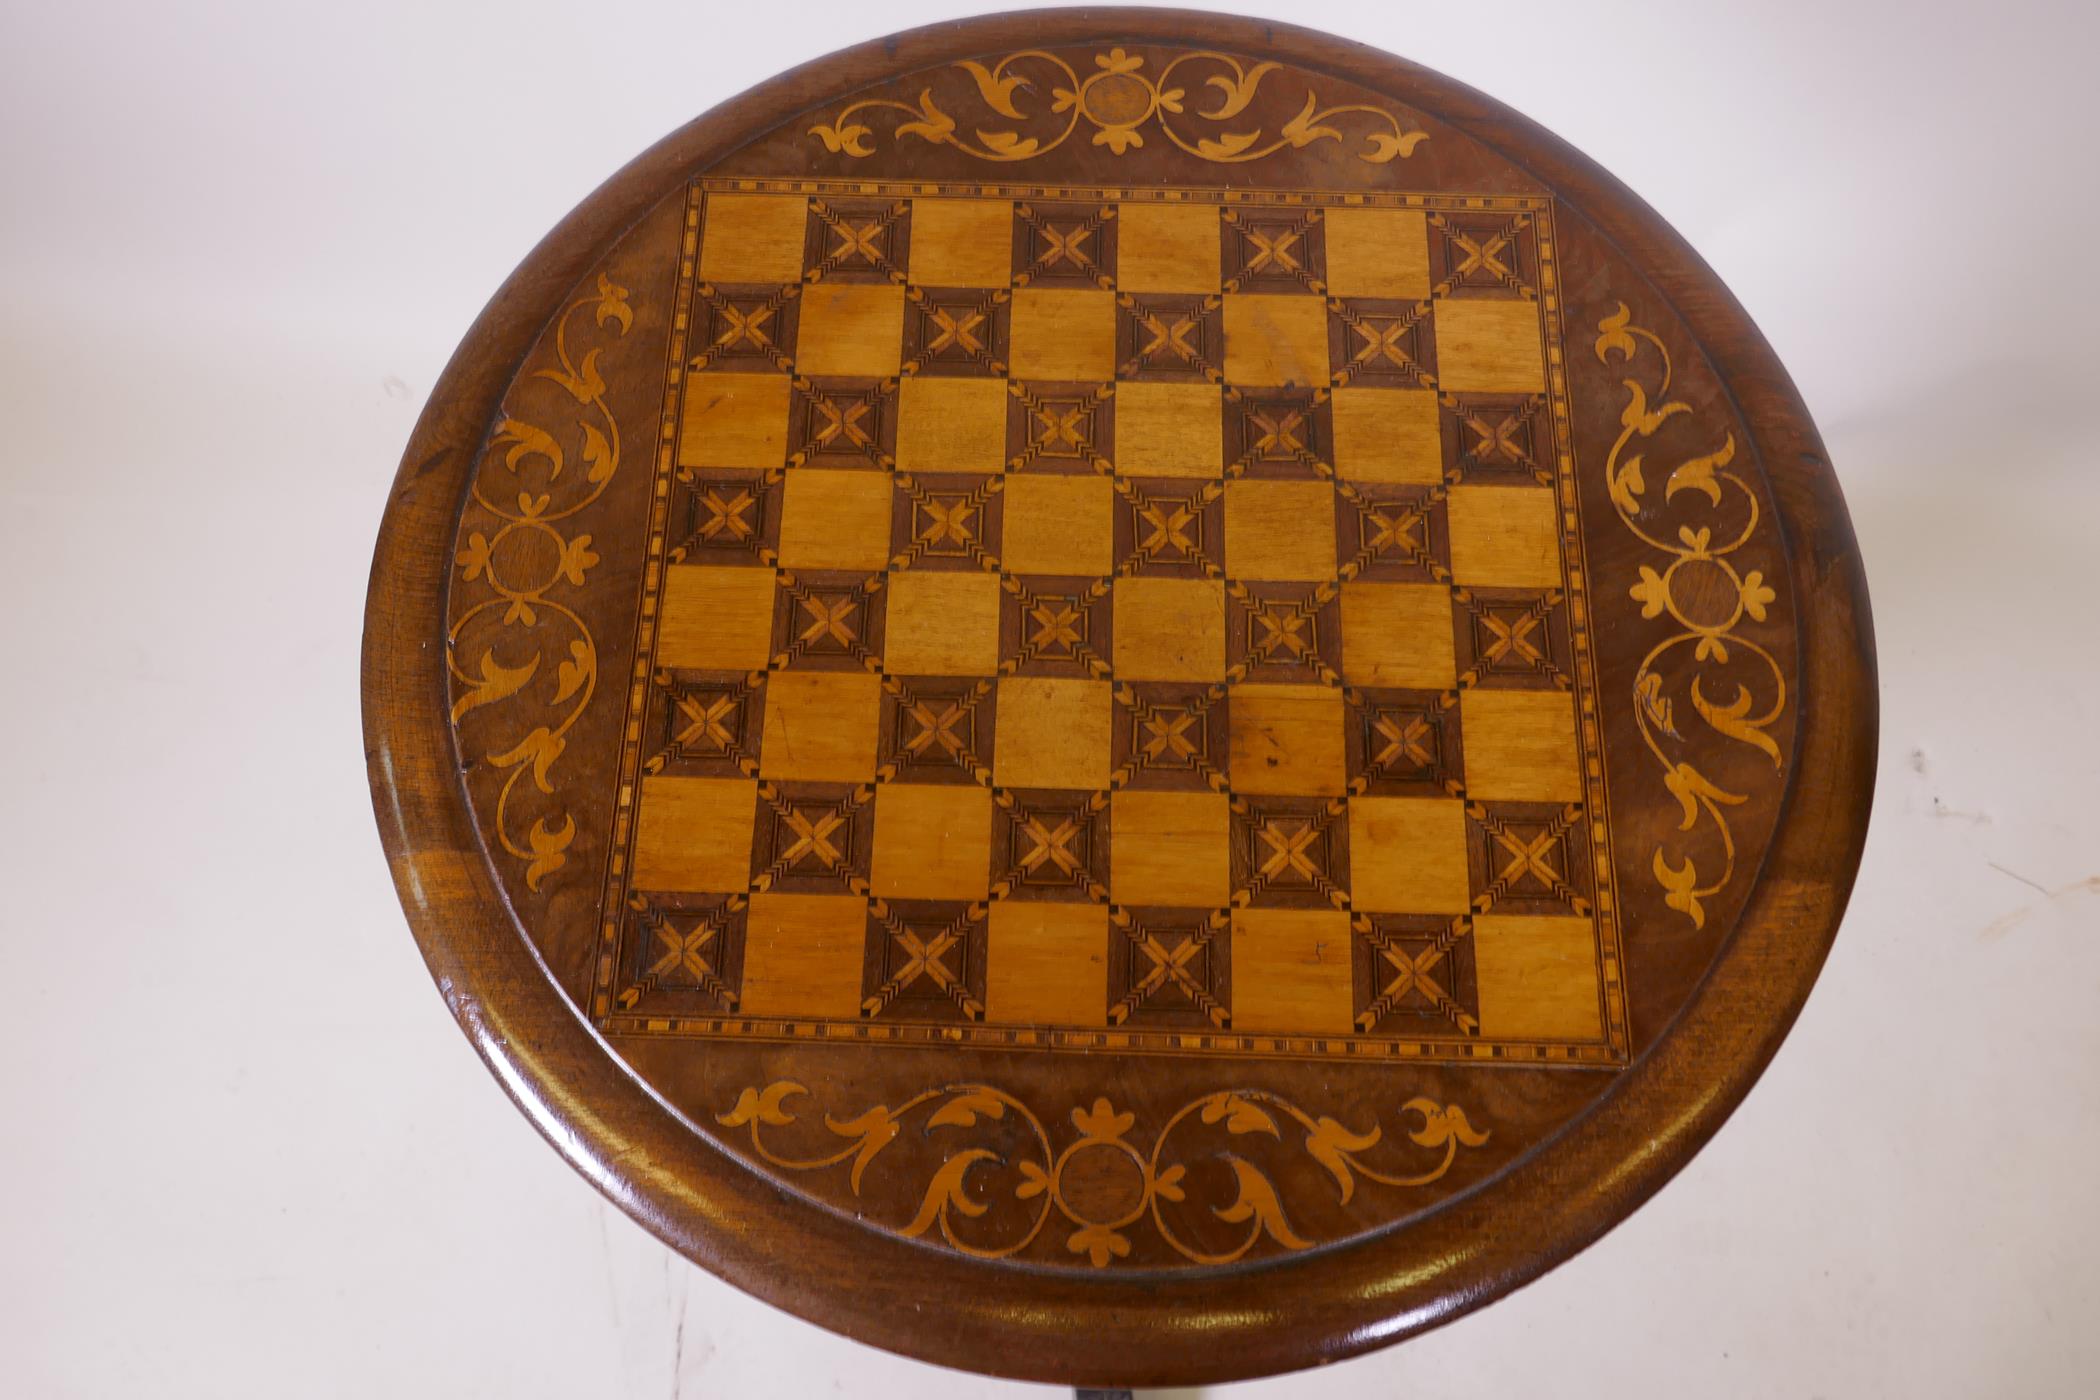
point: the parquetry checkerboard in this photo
(1115, 618)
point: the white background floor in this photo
(243, 1150)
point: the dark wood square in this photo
(1529, 858)
(1164, 336)
(704, 724)
(1054, 625)
(1170, 967)
(925, 961)
(1050, 845)
(742, 328)
(1290, 852)
(828, 620)
(1170, 527)
(1392, 534)
(836, 422)
(721, 516)
(682, 954)
(1284, 433)
(1497, 439)
(1060, 427)
(857, 240)
(1414, 976)
(946, 520)
(1286, 632)
(1403, 743)
(1381, 344)
(1511, 638)
(1169, 735)
(936, 731)
(957, 331)
(1275, 250)
(1484, 254)
(813, 838)
(1064, 245)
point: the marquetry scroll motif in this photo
(1211, 105)
(1196, 1183)
(1734, 686)
(517, 641)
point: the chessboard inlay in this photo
(1110, 618)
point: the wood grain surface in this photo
(1156, 682)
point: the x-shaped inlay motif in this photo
(684, 950)
(1286, 628)
(836, 422)
(947, 520)
(1274, 248)
(1166, 527)
(1172, 338)
(812, 829)
(1512, 634)
(739, 326)
(703, 722)
(1062, 429)
(937, 721)
(1168, 965)
(1165, 733)
(1288, 840)
(1406, 739)
(1496, 438)
(957, 329)
(829, 618)
(726, 514)
(1050, 845)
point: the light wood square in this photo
(1063, 333)
(694, 835)
(1170, 848)
(1537, 977)
(1489, 346)
(1292, 971)
(1378, 253)
(820, 726)
(715, 619)
(1277, 530)
(932, 842)
(1398, 634)
(962, 242)
(1167, 248)
(850, 328)
(1052, 733)
(951, 425)
(752, 238)
(835, 520)
(1276, 340)
(1058, 525)
(1520, 745)
(1168, 629)
(1287, 739)
(1046, 964)
(1387, 435)
(942, 624)
(1407, 855)
(734, 420)
(1170, 429)
(803, 955)
(1505, 536)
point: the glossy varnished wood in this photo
(862, 1061)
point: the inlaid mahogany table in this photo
(1119, 696)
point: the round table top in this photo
(1118, 696)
